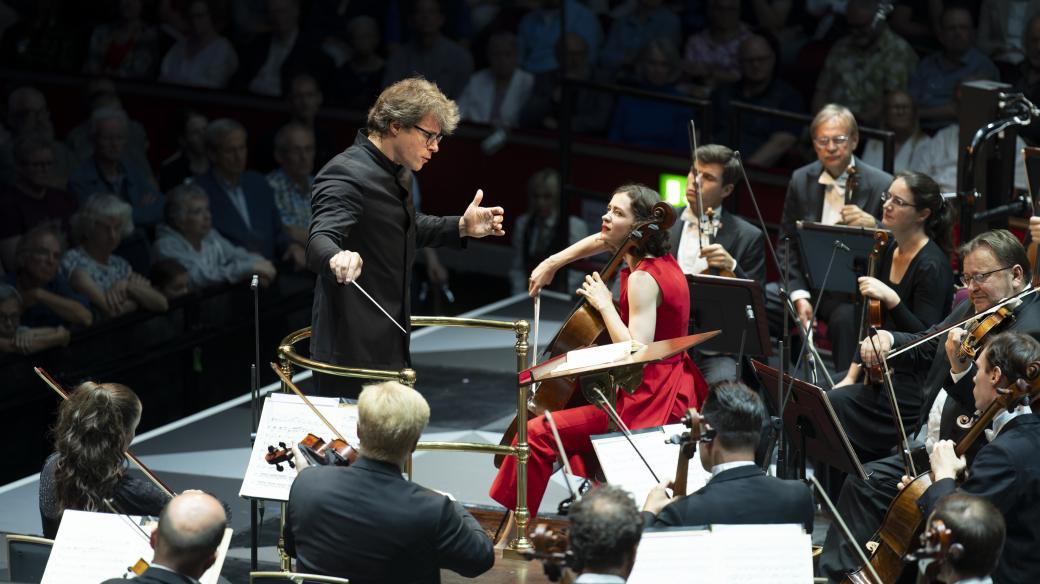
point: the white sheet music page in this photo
(623, 467)
(285, 418)
(763, 554)
(93, 547)
(676, 556)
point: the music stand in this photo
(811, 422)
(724, 304)
(816, 243)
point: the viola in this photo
(551, 547)
(336, 452)
(584, 327)
(697, 431)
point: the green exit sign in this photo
(673, 189)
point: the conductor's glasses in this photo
(431, 138)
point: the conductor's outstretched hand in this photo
(480, 221)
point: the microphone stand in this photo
(749, 315)
(255, 507)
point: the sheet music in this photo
(93, 547)
(623, 467)
(599, 355)
(285, 418)
(675, 556)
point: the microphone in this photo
(255, 282)
(838, 244)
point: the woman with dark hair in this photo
(914, 280)
(95, 427)
(654, 306)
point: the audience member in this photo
(641, 21)
(128, 47)
(650, 123)
(27, 115)
(171, 278)
(188, 237)
(1028, 81)
(189, 161)
(329, 24)
(303, 99)
(918, 22)
(429, 53)
(100, 93)
(900, 117)
(360, 79)
(292, 180)
(203, 58)
(864, 64)
(47, 297)
(604, 535)
(92, 268)
(764, 140)
(271, 58)
(495, 95)
(32, 199)
(711, 55)
(191, 528)
(1000, 28)
(937, 76)
(591, 110)
(241, 200)
(539, 31)
(537, 233)
(15, 338)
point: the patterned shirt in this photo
(858, 78)
(294, 207)
(104, 275)
(702, 49)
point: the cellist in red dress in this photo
(654, 305)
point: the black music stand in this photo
(816, 243)
(811, 423)
(718, 303)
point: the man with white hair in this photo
(366, 522)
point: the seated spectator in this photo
(170, 278)
(108, 171)
(303, 99)
(641, 21)
(242, 202)
(591, 110)
(653, 124)
(429, 53)
(539, 32)
(291, 182)
(1028, 81)
(1000, 23)
(910, 142)
(32, 200)
(763, 139)
(536, 236)
(495, 95)
(271, 58)
(189, 238)
(190, 159)
(917, 22)
(100, 93)
(47, 297)
(330, 22)
(15, 338)
(867, 62)
(106, 279)
(128, 47)
(360, 79)
(711, 56)
(203, 58)
(937, 76)
(27, 115)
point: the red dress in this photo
(669, 388)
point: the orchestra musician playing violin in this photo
(95, 427)
(654, 305)
(914, 281)
(972, 523)
(1005, 472)
(727, 244)
(739, 492)
(366, 522)
(994, 268)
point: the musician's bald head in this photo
(191, 528)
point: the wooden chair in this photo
(27, 556)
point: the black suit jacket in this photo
(804, 202)
(742, 240)
(1006, 472)
(740, 496)
(155, 576)
(367, 523)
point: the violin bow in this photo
(53, 384)
(288, 383)
(908, 461)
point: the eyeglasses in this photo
(980, 279)
(887, 196)
(823, 141)
(431, 138)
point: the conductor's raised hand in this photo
(346, 266)
(597, 293)
(480, 221)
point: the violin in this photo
(977, 332)
(697, 431)
(936, 546)
(851, 182)
(551, 547)
(710, 229)
(584, 327)
(336, 452)
(871, 317)
(903, 520)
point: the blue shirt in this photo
(540, 29)
(132, 187)
(628, 35)
(935, 80)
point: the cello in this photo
(584, 327)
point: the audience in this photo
(202, 58)
(539, 31)
(900, 117)
(291, 182)
(653, 124)
(128, 47)
(272, 57)
(189, 161)
(303, 99)
(710, 58)
(100, 93)
(495, 95)
(15, 338)
(429, 53)
(591, 110)
(27, 115)
(1000, 28)
(359, 80)
(640, 21)
(171, 278)
(47, 297)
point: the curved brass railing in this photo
(287, 357)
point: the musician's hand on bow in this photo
(904, 482)
(346, 266)
(874, 288)
(804, 309)
(658, 498)
(717, 257)
(853, 216)
(597, 293)
(542, 276)
(480, 221)
(958, 361)
(868, 355)
(945, 462)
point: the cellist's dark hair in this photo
(655, 242)
(1012, 352)
(927, 195)
(735, 413)
(978, 529)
